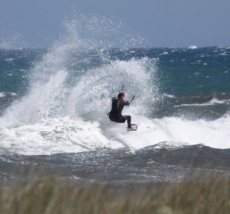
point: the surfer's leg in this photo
(128, 118)
(122, 119)
(117, 119)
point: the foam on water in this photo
(7, 94)
(56, 135)
(174, 131)
(192, 47)
(213, 101)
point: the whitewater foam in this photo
(57, 135)
(213, 101)
(65, 135)
(175, 131)
(7, 94)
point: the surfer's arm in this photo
(127, 103)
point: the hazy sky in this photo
(171, 23)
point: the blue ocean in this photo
(54, 104)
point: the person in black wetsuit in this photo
(118, 104)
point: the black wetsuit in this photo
(116, 112)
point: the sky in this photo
(161, 23)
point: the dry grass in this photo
(51, 196)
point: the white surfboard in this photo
(133, 127)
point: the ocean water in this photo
(53, 105)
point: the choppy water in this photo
(53, 106)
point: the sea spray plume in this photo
(104, 81)
(46, 86)
(49, 88)
(47, 80)
(102, 32)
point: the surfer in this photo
(118, 104)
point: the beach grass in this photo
(50, 195)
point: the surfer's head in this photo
(121, 95)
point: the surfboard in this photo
(133, 127)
